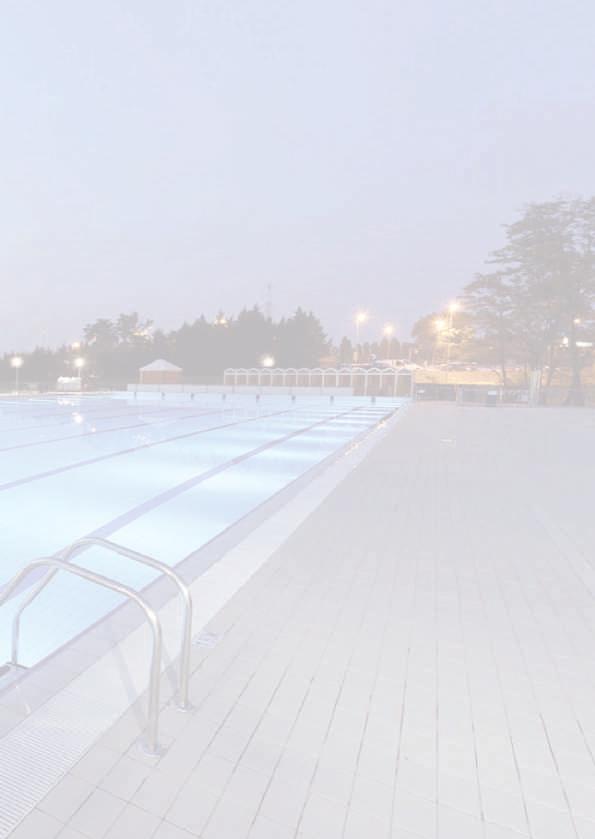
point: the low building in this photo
(69, 384)
(160, 372)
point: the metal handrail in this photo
(60, 565)
(186, 645)
(94, 541)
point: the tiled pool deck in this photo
(416, 660)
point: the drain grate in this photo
(36, 754)
(206, 639)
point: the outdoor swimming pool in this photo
(161, 476)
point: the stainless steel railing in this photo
(59, 565)
(185, 648)
(63, 561)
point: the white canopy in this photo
(160, 366)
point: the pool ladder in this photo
(62, 561)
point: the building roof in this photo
(160, 366)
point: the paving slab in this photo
(415, 660)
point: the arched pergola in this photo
(363, 381)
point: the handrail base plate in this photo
(9, 673)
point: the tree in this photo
(489, 304)
(345, 351)
(300, 341)
(547, 267)
(251, 337)
(130, 329)
(426, 335)
(101, 334)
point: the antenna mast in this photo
(268, 304)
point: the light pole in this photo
(79, 363)
(16, 362)
(388, 331)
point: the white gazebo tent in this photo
(160, 372)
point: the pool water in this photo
(161, 476)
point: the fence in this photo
(372, 381)
(471, 394)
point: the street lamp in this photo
(388, 331)
(360, 319)
(16, 362)
(267, 361)
(79, 363)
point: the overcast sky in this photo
(176, 157)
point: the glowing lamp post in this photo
(79, 364)
(16, 363)
(388, 331)
(360, 319)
